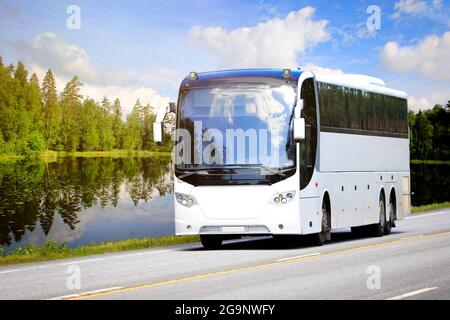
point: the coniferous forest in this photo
(34, 118)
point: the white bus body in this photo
(353, 167)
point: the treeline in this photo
(430, 133)
(34, 118)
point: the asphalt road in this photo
(411, 263)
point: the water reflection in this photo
(82, 200)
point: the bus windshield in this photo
(237, 125)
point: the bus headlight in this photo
(184, 199)
(283, 198)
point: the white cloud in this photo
(274, 43)
(422, 69)
(429, 100)
(413, 7)
(50, 51)
(322, 70)
(437, 3)
(432, 10)
(429, 57)
(417, 104)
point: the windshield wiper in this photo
(191, 173)
(277, 171)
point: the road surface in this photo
(411, 263)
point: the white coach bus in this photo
(287, 153)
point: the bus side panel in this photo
(310, 215)
(361, 153)
(354, 196)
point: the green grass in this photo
(88, 154)
(430, 162)
(100, 154)
(8, 157)
(53, 251)
(429, 207)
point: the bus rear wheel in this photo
(211, 242)
(379, 228)
(390, 223)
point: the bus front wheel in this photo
(325, 235)
(211, 242)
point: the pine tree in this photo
(7, 107)
(51, 111)
(89, 126)
(71, 111)
(422, 134)
(22, 120)
(107, 106)
(118, 127)
(35, 103)
(147, 127)
(133, 129)
(21, 74)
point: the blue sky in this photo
(142, 49)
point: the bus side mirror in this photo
(157, 132)
(160, 115)
(172, 107)
(299, 129)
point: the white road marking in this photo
(413, 237)
(299, 257)
(10, 271)
(84, 293)
(68, 263)
(413, 293)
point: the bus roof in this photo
(355, 81)
(233, 76)
(362, 82)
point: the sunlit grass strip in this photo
(430, 207)
(89, 154)
(53, 251)
(430, 162)
(9, 157)
(109, 154)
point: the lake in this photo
(83, 200)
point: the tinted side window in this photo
(354, 111)
(309, 145)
